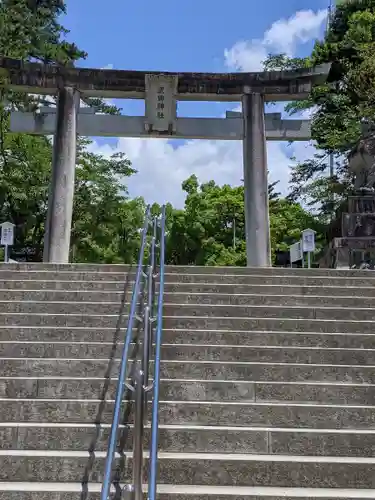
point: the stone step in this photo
(181, 297)
(72, 267)
(258, 299)
(91, 491)
(169, 390)
(270, 289)
(47, 289)
(192, 370)
(191, 468)
(198, 390)
(66, 285)
(68, 308)
(267, 354)
(281, 280)
(262, 371)
(181, 336)
(42, 295)
(255, 277)
(191, 322)
(268, 271)
(235, 413)
(303, 312)
(262, 470)
(191, 352)
(266, 470)
(64, 320)
(248, 324)
(123, 277)
(192, 439)
(268, 414)
(10, 311)
(63, 334)
(232, 270)
(254, 338)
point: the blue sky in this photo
(191, 36)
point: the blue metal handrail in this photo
(152, 481)
(123, 365)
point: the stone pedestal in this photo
(356, 246)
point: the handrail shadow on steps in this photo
(103, 396)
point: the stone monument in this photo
(355, 248)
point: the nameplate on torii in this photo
(160, 103)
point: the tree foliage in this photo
(211, 228)
(339, 106)
(105, 221)
(30, 30)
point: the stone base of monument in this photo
(354, 248)
(353, 253)
(363, 201)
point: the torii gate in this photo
(161, 91)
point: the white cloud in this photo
(162, 168)
(162, 165)
(282, 37)
(246, 56)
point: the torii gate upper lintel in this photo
(161, 91)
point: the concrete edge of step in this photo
(203, 403)
(195, 491)
(189, 331)
(182, 345)
(182, 305)
(276, 383)
(190, 428)
(200, 456)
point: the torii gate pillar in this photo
(61, 193)
(258, 245)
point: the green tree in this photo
(211, 228)
(30, 30)
(339, 106)
(105, 221)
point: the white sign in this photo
(7, 234)
(160, 102)
(308, 240)
(296, 253)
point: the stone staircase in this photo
(267, 382)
